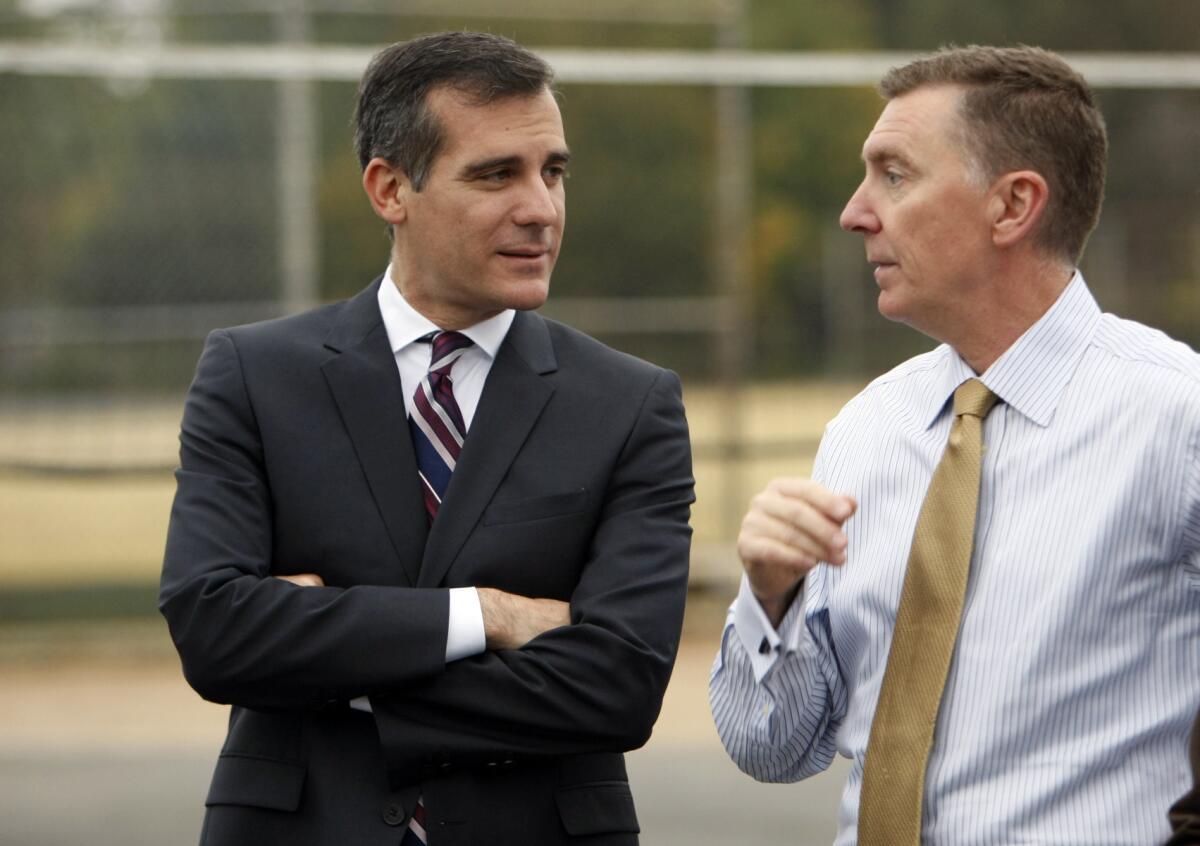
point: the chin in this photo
(528, 295)
(891, 307)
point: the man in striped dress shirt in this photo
(1075, 671)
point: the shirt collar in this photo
(1032, 374)
(405, 325)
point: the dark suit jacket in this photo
(1185, 814)
(574, 483)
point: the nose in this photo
(539, 203)
(858, 216)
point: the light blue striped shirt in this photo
(1077, 669)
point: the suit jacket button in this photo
(394, 814)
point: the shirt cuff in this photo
(762, 642)
(465, 636)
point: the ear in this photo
(387, 188)
(1016, 204)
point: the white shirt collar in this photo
(405, 325)
(1032, 374)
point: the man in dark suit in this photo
(431, 546)
(1185, 814)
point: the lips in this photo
(881, 269)
(525, 252)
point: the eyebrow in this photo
(557, 157)
(883, 154)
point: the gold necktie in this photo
(927, 624)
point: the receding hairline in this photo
(560, 154)
(477, 94)
(877, 151)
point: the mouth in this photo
(525, 252)
(881, 267)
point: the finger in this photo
(556, 613)
(303, 579)
(804, 526)
(767, 540)
(763, 553)
(796, 523)
(835, 506)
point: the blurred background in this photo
(171, 166)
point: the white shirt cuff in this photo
(464, 636)
(762, 642)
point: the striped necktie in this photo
(437, 424)
(438, 432)
(927, 623)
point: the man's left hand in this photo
(304, 579)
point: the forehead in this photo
(919, 125)
(511, 125)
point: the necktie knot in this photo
(448, 347)
(973, 398)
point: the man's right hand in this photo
(791, 525)
(511, 621)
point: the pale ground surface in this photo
(101, 741)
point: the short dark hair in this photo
(392, 119)
(1025, 108)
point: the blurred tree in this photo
(123, 193)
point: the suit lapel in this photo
(513, 398)
(366, 387)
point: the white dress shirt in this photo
(1077, 669)
(406, 327)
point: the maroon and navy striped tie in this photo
(436, 422)
(437, 432)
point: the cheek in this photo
(937, 235)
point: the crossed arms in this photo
(250, 639)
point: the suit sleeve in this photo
(1185, 813)
(596, 685)
(244, 637)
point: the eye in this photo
(496, 175)
(892, 177)
(556, 173)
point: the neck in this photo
(445, 315)
(1006, 309)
